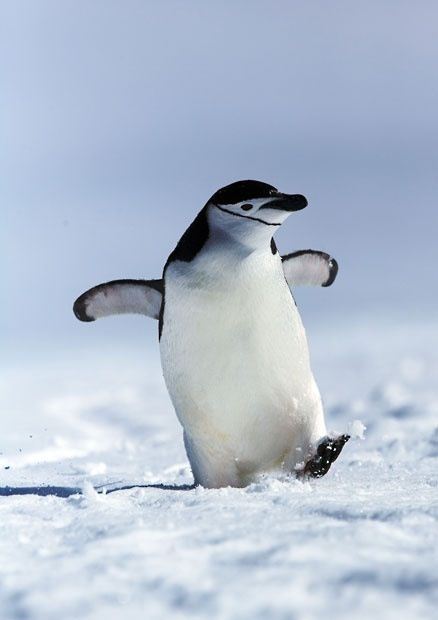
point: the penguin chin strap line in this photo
(246, 217)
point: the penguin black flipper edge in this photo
(309, 268)
(120, 297)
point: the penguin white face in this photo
(250, 211)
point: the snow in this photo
(360, 542)
(356, 429)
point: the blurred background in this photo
(119, 120)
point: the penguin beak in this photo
(286, 202)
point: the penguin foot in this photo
(327, 452)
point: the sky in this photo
(118, 120)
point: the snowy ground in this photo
(360, 542)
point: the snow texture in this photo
(360, 542)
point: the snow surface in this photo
(359, 543)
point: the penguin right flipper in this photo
(120, 297)
(309, 268)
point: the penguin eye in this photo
(246, 207)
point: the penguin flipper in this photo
(309, 268)
(120, 297)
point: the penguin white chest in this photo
(235, 357)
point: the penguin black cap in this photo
(241, 191)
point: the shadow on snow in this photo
(45, 491)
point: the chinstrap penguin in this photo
(233, 348)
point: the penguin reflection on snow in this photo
(233, 347)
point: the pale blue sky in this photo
(119, 119)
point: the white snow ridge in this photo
(359, 543)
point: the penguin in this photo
(233, 347)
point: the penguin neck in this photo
(223, 264)
(224, 245)
(238, 236)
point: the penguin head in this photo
(250, 211)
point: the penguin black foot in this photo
(327, 452)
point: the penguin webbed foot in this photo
(327, 451)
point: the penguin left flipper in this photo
(120, 297)
(309, 268)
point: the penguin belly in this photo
(236, 365)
